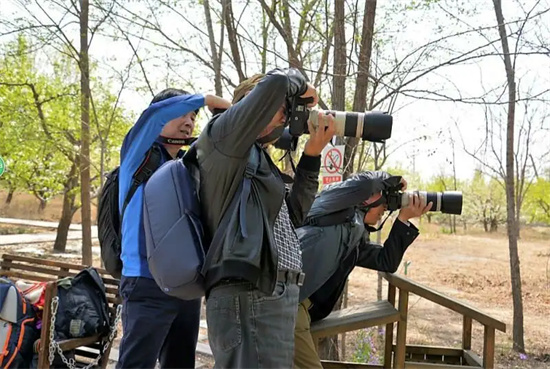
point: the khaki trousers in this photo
(305, 352)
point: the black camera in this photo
(372, 126)
(448, 202)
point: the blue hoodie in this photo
(136, 144)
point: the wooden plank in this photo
(415, 357)
(413, 365)
(54, 273)
(472, 359)
(113, 290)
(466, 333)
(25, 276)
(388, 349)
(401, 340)
(489, 347)
(433, 350)
(443, 300)
(353, 318)
(77, 342)
(329, 364)
(52, 263)
(451, 359)
(44, 267)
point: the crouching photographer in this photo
(335, 239)
(253, 266)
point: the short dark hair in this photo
(168, 93)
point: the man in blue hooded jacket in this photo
(155, 325)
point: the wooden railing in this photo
(399, 354)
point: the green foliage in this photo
(40, 122)
(536, 208)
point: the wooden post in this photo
(43, 352)
(466, 333)
(489, 348)
(388, 351)
(401, 341)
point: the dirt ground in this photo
(472, 267)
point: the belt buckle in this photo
(300, 280)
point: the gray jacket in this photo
(331, 252)
(223, 150)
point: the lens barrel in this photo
(372, 126)
(448, 202)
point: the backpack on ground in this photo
(174, 234)
(109, 222)
(17, 327)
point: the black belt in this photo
(291, 276)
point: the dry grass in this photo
(473, 268)
(26, 206)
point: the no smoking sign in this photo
(332, 164)
(333, 160)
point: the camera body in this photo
(371, 126)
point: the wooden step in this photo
(354, 318)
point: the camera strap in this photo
(289, 154)
(176, 141)
(371, 229)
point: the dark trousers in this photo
(249, 329)
(156, 326)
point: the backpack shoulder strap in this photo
(143, 173)
(340, 217)
(252, 167)
(241, 196)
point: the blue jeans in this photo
(156, 326)
(249, 329)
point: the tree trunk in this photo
(328, 346)
(69, 198)
(42, 205)
(213, 49)
(339, 69)
(102, 163)
(232, 37)
(494, 225)
(511, 221)
(360, 98)
(85, 137)
(294, 59)
(9, 198)
(64, 222)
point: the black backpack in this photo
(109, 219)
(80, 309)
(83, 310)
